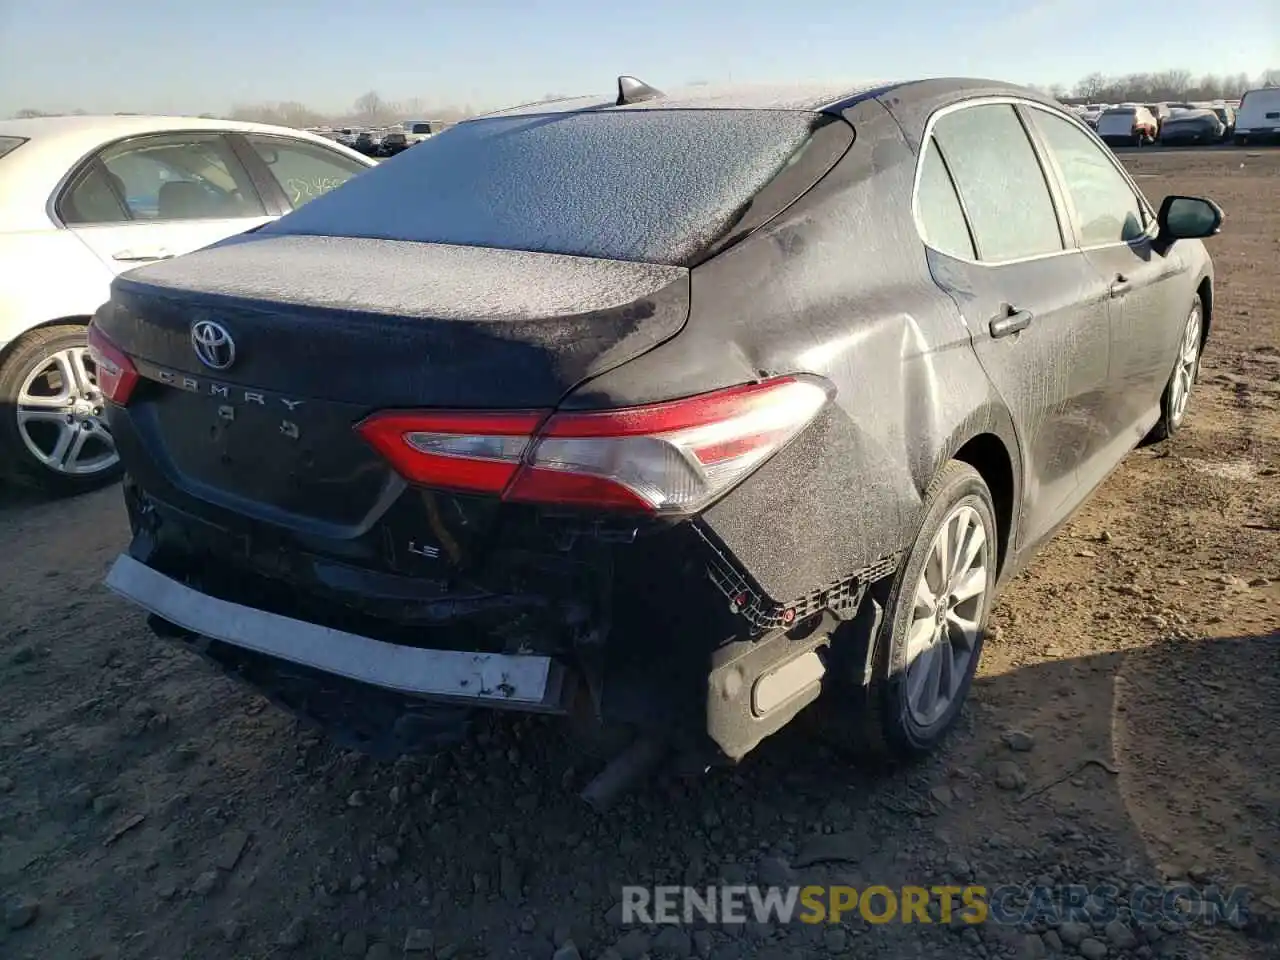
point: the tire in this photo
(889, 726)
(41, 368)
(1239, 140)
(1186, 370)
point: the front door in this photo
(1115, 227)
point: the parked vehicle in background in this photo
(418, 130)
(393, 143)
(1227, 115)
(1258, 119)
(1127, 127)
(347, 137)
(367, 143)
(1161, 112)
(1192, 127)
(1091, 114)
(665, 441)
(85, 198)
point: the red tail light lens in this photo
(665, 458)
(478, 452)
(117, 376)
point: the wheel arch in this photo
(986, 453)
(81, 320)
(987, 441)
(1204, 290)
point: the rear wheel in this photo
(53, 435)
(931, 637)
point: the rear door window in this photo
(179, 177)
(1000, 180)
(93, 198)
(938, 210)
(304, 171)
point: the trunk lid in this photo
(328, 330)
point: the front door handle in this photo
(1120, 286)
(1009, 322)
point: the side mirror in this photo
(1188, 218)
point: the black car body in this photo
(366, 143)
(392, 144)
(1193, 126)
(651, 409)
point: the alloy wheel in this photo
(60, 415)
(948, 608)
(1184, 374)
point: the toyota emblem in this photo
(213, 344)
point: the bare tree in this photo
(1091, 86)
(1270, 78)
(371, 107)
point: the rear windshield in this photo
(421, 128)
(657, 186)
(10, 144)
(1120, 112)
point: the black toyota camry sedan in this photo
(675, 412)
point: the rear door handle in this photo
(1120, 286)
(142, 256)
(1010, 322)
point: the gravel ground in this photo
(1122, 731)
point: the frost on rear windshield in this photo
(654, 186)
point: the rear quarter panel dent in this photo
(847, 271)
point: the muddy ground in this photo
(151, 809)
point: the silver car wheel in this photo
(1184, 374)
(947, 614)
(60, 415)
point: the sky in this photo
(186, 56)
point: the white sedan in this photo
(83, 199)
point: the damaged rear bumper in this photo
(526, 682)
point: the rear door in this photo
(1034, 305)
(1115, 228)
(160, 196)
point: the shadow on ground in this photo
(250, 828)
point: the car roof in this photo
(832, 97)
(79, 134)
(796, 96)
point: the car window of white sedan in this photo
(303, 171)
(1106, 206)
(165, 178)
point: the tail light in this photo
(664, 458)
(117, 376)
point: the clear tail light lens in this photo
(665, 458)
(117, 376)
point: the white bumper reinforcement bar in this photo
(497, 680)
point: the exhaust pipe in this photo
(623, 772)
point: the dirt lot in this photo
(154, 810)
